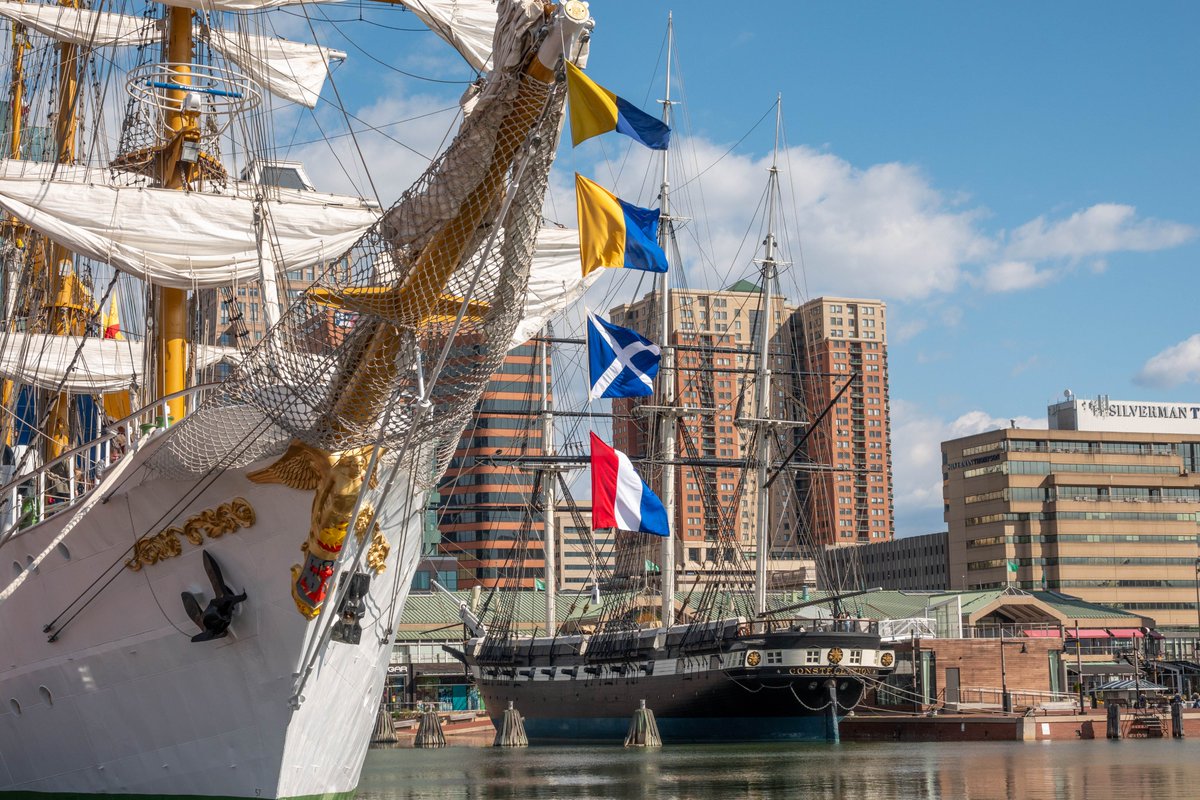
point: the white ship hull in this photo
(123, 702)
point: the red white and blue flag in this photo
(620, 498)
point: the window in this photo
(812, 656)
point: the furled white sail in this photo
(292, 70)
(86, 365)
(79, 26)
(180, 239)
(555, 280)
(468, 25)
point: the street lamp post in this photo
(1005, 700)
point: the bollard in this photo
(430, 733)
(643, 729)
(1114, 721)
(511, 732)
(1176, 719)
(832, 734)
(385, 730)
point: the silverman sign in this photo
(1103, 414)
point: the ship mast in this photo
(8, 303)
(769, 268)
(549, 480)
(666, 370)
(181, 125)
(63, 288)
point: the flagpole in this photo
(763, 380)
(666, 372)
(549, 481)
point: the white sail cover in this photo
(86, 365)
(180, 239)
(292, 70)
(556, 280)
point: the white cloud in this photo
(1012, 276)
(1177, 364)
(917, 458)
(336, 165)
(1102, 228)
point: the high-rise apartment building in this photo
(846, 491)
(1103, 506)
(484, 499)
(714, 336)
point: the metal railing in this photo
(33, 497)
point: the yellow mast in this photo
(182, 125)
(65, 293)
(16, 99)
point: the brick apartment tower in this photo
(480, 505)
(850, 500)
(714, 370)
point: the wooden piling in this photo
(430, 733)
(511, 732)
(1114, 721)
(643, 729)
(385, 729)
(1176, 719)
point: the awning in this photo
(1104, 633)
(1042, 633)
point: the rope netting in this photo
(396, 340)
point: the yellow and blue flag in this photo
(613, 233)
(596, 110)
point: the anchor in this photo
(214, 620)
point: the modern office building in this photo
(1104, 506)
(916, 563)
(847, 493)
(484, 500)
(714, 335)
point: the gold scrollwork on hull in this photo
(212, 522)
(378, 552)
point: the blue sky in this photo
(1017, 180)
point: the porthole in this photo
(47, 698)
(17, 568)
(29, 565)
(16, 707)
(63, 551)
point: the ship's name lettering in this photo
(212, 522)
(825, 671)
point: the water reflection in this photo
(1095, 770)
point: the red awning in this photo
(1041, 633)
(1104, 633)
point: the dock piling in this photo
(832, 734)
(430, 733)
(511, 732)
(1114, 721)
(643, 729)
(385, 730)
(1176, 719)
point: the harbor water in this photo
(1095, 770)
